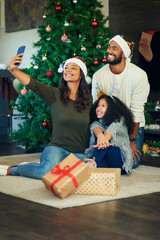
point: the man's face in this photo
(114, 53)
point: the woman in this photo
(70, 109)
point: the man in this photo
(129, 83)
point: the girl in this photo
(70, 109)
(109, 142)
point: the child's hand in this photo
(102, 142)
(91, 162)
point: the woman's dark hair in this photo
(115, 111)
(83, 95)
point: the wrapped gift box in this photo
(103, 181)
(66, 176)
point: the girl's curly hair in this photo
(83, 95)
(115, 111)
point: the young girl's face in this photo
(101, 108)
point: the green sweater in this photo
(70, 129)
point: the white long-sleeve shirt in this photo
(131, 87)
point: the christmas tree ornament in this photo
(60, 69)
(45, 124)
(144, 45)
(24, 91)
(48, 29)
(44, 58)
(36, 67)
(94, 23)
(104, 60)
(58, 8)
(66, 24)
(83, 49)
(49, 74)
(64, 38)
(44, 16)
(96, 62)
(99, 46)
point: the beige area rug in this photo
(143, 180)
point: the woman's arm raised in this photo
(13, 68)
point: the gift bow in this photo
(64, 172)
(58, 170)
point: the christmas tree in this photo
(71, 28)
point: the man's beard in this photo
(115, 61)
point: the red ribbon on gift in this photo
(64, 172)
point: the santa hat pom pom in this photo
(60, 69)
(88, 80)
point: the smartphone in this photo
(20, 50)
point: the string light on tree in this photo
(75, 1)
(94, 23)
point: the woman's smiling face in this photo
(71, 72)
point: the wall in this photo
(9, 42)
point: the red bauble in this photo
(24, 91)
(58, 8)
(96, 62)
(94, 24)
(104, 60)
(64, 38)
(45, 124)
(49, 74)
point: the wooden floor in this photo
(136, 218)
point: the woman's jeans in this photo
(50, 157)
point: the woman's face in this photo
(101, 108)
(72, 73)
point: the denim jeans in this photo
(139, 144)
(50, 157)
(109, 157)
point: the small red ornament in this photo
(49, 74)
(24, 91)
(58, 8)
(94, 24)
(96, 62)
(64, 38)
(45, 124)
(104, 60)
